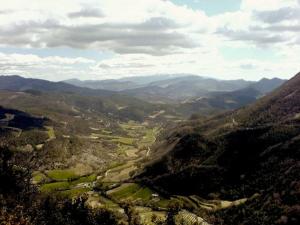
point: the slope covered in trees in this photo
(251, 153)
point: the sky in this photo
(109, 39)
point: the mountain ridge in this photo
(236, 155)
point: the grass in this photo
(74, 192)
(122, 149)
(134, 130)
(115, 164)
(124, 140)
(130, 126)
(163, 203)
(52, 187)
(62, 175)
(63, 187)
(116, 139)
(104, 136)
(133, 192)
(38, 177)
(149, 136)
(105, 186)
(107, 202)
(86, 179)
(106, 132)
(143, 193)
(125, 191)
(50, 132)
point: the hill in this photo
(183, 88)
(252, 153)
(18, 83)
(113, 85)
(121, 84)
(178, 88)
(265, 85)
(219, 101)
(144, 80)
(216, 102)
(109, 103)
(163, 88)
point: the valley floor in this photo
(112, 188)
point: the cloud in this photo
(256, 5)
(3, 12)
(255, 35)
(42, 67)
(154, 27)
(247, 66)
(155, 36)
(275, 22)
(147, 37)
(87, 12)
(277, 16)
(121, 38)
(158, 23)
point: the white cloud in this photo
(268, 23)
(148, 26)
(52, 67)
(148, 37)
(256, 5)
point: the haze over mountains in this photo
(189, 94)
(177, 87)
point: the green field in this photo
(66, 182)
(124, 140)
(116, 139)
(38, 177)
(66, 188)
(149, 136)
(86, 179)
(131, 192)
(52, 187)
(62, 175)
(125, 191)
(74, 192)
(131, 125)
(50, 132)
(106, 132)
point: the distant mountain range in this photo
(227, 100)
(125, 83)
(18, 83)
(41, 94)
(180, 94)
(190, 94)
(175, 88)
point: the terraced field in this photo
(131, 192)
(111, 187)
(128, 151)
(187, 218)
